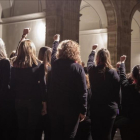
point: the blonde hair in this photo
(103, 57)
(3, 54)
(26, 55)
(69, 49)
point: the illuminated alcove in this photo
(15, 17)
(93, 26)
(135, 39)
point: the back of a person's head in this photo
(45, 54)
(26, 55)
(69, 49)
(3, 54)
(136, 76)
(103, 58)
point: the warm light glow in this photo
(41, 29)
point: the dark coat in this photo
(28, 83)
(105, 86)
(68, 91)
(131, 96)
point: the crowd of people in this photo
(57, 96)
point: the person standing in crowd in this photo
(84, 128)
(45, 56)
(4, 82)
(132, 102)
(28, 86)
(105, 87)
(67, 98)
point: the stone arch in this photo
(113, 23)
(135, 8)
(135, 39)
(112, 19)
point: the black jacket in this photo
(105, 86)
(28, 83)
(131, 96)
(68, 91)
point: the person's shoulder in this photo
(112, 71)
(77, 67)
(114, 74)
(5, 62)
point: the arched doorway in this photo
(93, 27)
(135, 39)
(135, 35)
(98, 24)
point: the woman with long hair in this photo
(67, 98)
(131, 96)
(45, 56)
(4, 82)
(105, 86)
(27, 83)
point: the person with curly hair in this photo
(67, 98)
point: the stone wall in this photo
(63, 17)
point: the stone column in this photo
(54, 20)
(124, 30)
(62, 17)
(112, 43)
(112, 30)
(71, 19)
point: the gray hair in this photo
(3, 53)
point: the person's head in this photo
(3, 54)
(13, 53)
(45, 55)
(26, 54)
(136, 76)
(69, 49)
(103, 58)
